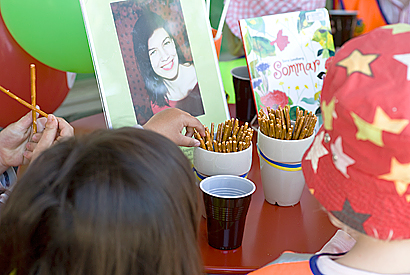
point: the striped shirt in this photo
(7, 179)
(243, 9)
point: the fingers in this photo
(192, 122)
(28, 155)
(41, 124)
(188, 142)
(54, 130)
(37, 136)
(31, 145)
(48, 136)
(66, 130)
(25, 122)
(189, 131)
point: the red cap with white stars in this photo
(358, 166)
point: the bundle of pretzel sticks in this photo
(277, 123)
(229, 137)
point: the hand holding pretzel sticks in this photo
(170, 123)
(16, 147)
(54, 130)
(13, 139)
(27, 138)
(229, 137)
(277, 123)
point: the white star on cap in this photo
(342, 160)
(405, 59)
(317, 151)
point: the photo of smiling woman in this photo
(170, 80)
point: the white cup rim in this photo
(211, 178)
(234, 73)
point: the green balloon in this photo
(51, 31)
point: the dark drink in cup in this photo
(227, 199)
(227, 222)
(244, 100)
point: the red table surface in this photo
(269, 229)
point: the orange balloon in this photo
(52, 85)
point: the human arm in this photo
(171, 122)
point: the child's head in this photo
(358, 166)
(114, 202)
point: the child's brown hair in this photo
(115, 202)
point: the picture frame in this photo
(119, 81)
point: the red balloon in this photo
(52, 85)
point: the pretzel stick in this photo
(287, 117)
(297, 115)
(289, 133)
(226, 133)
(218, 133)
(208, 137)
(303, 133)
(33, 95)
(282, 116)
(299, 128)
(240, 133)
(250, 133)
(272, 130)
(312, 127)
(10, 94)
(235, 128)
(198, 137)
(212, 131)
(215, 145)
(284, 132)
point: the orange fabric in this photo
(291, 268)
(368, 11)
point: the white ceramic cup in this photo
(281, 171)
(209, 163)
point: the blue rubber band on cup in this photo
(280, 165)
(201, 176)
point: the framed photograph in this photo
(154, 54)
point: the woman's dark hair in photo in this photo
(114, 202)
(145, 26)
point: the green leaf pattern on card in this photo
(263, 46)
(324, 37)
(257, 24)
(302, 22)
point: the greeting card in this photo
(286, 56)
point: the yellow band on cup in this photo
(280, 165)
